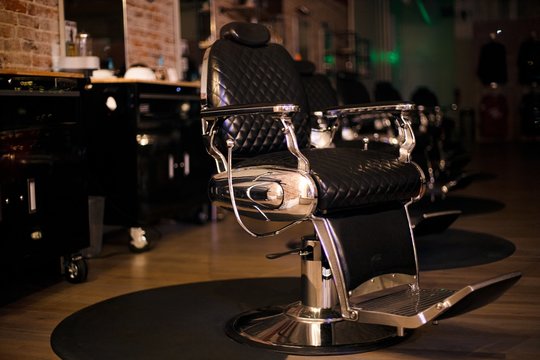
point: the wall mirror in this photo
(103, 21)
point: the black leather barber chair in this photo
(359, 283)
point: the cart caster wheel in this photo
(202, 215)
(76, 270)
(139, 243)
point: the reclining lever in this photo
(298, 251)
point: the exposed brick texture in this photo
(28, 28)
(150, 32)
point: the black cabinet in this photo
(146, 155)
(43, 184)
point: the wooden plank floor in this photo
(507, 329)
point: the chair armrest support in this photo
(403, 109)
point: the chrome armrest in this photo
(280, 112)
(403, 110)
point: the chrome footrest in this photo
(406, 302)
(407, 308)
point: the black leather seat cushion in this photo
(351, 178)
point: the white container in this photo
(140, 73)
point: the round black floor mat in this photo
(454, 248)
(175, 322)
(468, 205)
(188, 321)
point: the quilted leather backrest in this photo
(319, 90)
(351, 90)
(239, 74)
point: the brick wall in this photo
(28, 30)
(150, 32)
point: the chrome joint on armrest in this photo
(292, 144)
(406, 135)
(209, 132)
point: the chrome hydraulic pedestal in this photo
(313, 325)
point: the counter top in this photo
(40, 73)
(111, 80)
(155, 82)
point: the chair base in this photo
(301, 330)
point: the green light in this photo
(390, 57)
(423, 11)
(329, 59)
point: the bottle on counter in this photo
(84, 44)
(161, 71)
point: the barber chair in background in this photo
(376, 131)
(359, 284)
(443, 157)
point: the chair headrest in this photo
(305, 67)
(249, 34)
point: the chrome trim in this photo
(406, 307)
(282, 112)
(406, 138)
(250, 109)
(292, 144)
(326, 237)
(318, 288)
(383, 282)
(298, 329)
(289, 195)
(356, 110)
(416, 285)
(209, 132)
(406, 133)
(423, 183)
(282, 194)
(323, 136)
